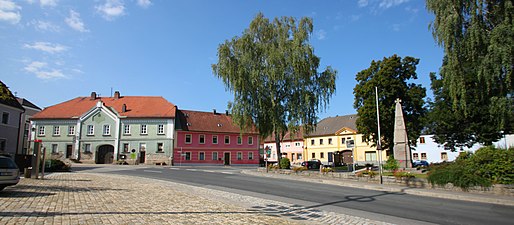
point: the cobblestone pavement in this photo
(88, 198)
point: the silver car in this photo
(9, 172)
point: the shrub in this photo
(327, 169)
(285, 163)
(298, 168)
(55, 165)
(391, 164)
(403, 174)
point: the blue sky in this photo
(55, 50)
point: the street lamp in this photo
(379, 146)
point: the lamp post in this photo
(379, 146)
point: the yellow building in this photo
(336, 140)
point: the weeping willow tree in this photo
(272, 71)
(477, 72)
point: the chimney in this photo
(93, 95)
(117, 95)
(124, 107)
(226, 112)
(214, 111)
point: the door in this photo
(105, 154)
(227, 158)
(347, 157)
(69, 151)
(142, 155)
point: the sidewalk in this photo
(456, 195)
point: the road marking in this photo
(173, 168)
(152, 171)
(191, 169)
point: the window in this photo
(143, 129)
(343, 141)
(312, 142)
(188, 138)
(107, 130)
(71, 130)
(288, 145)
(423, 156)
(160, 147)
(126, 129)
(227, 139)
(444, 156)
(350, 143)
(160, 129)
(415, 156)
(297, 144)
(55, 149)
(322, 155)
(5, 117)
(215, 156)
(250, 140)
(330, 141)
(313, 155)
(201, 156)
(57, 131)
(371, 156)
(2, 144)
(87, 148)
(320, 141)
(250, 155)
(299, 156)
(125, 147)
(41, 131)
(239, 140)
(239, 156)
(202, 139)
(188, 155)
(215, 140)
(422, 140)
(90, 130)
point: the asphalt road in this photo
(379, 205)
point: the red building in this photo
(211, 138)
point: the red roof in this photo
(209, 122)
(136, 107)
(298, 136)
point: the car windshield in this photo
(6, 163)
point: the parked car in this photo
(9, 172)
(312, 164)
(418, 163)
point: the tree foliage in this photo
(391, 76)
(477, 80)
(272, 71)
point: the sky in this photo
(52, 51)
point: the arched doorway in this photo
(105, 154)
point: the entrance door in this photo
(142, 155)
(347, 157)
(227, 158)
(69, 150)
(105, 154)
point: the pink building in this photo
(290, 147)
(211, 138)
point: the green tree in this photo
(477, 76)
(272, 71)
(390, 76)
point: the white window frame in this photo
(415, 156)
(144, 129)
(297, 144)
(239, 140)
(186, 156)
(250, 155)
(160, 144)
(225, 139)
(217, 139)
(126, 149)
(239, 156)
(107, 130)
(201, 156)
(55, 148)
(57, 131)
(214, 154)
(90, 130)
(71, 130)
(87, 148)
(126, 129)
(41, 131)
(160, 129)
(200, 139)
(5, 118)
(190, 138)
(250, 140)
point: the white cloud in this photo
(47, 47)
(9, 11)
(144, 3)
(385, 4)
(111, 9)
(50, 3)
(321, 34)
(362, 3)
(75, 22)
(41, 71)
(45, 26)
(411, 10)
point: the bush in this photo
(55, 165)
(299, 168)
(285, 163)
(403, 174)
(391, 164)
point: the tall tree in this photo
(477, 72)
(391, 76)
(272, 71)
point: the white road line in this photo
(152, 171)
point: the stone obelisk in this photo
(401, 142)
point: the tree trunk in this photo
(277, 143)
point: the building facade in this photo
(291, 147)
(211, 138)
(134, 129)
(25, 126)
(336, 140)
(11, 112)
